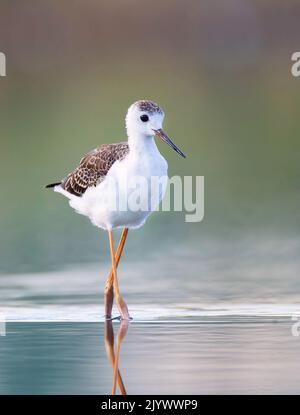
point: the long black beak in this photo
(161, 134)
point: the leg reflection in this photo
(113, 356)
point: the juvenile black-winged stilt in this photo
(101, 187)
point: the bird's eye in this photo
(144, 117)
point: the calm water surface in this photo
(220, 328)
(230, 356)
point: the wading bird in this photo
(105, 174)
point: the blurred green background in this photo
(220, 70)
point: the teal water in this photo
(247, 356)
(225, 326)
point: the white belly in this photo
(132, 189)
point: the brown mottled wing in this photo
(93, 167)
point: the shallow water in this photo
(251, 279)
(246, 356)
(217, 329)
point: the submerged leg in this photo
(119, 299)
(109, 289)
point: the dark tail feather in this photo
(52, 185)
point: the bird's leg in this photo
(109, 346)
(119, 300)
(120, 336)
(109, 289)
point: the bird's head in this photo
(145, 118)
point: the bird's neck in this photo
(139, 144)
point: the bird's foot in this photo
(119, 318)
(108, 317)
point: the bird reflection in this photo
(114, 355)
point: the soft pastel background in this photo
(220, 70)
(222, 73)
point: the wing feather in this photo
(93, 167)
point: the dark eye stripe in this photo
(144, 117)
